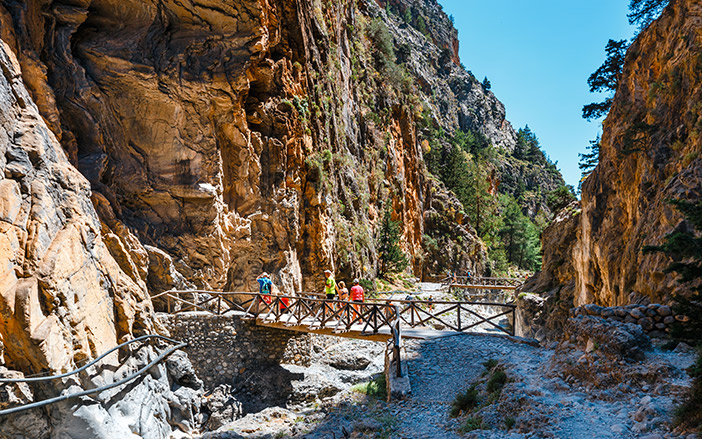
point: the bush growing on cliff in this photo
(560, 198)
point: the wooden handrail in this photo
(373, 314)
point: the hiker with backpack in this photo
(265, 286)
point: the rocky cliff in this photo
(66, 296)
(222, 139)
(649, 154)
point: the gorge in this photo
(151, 145)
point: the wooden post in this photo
(397, 340)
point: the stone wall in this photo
(655, 319)
(222, 348)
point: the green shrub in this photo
(375, 388)
(490, 364)
(464, 401)
(690, 411)
(472, 423)
(497, 381)
(509, 422)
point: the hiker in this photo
(265, 286)
(343, 291)
(356, 297)
(330, 287)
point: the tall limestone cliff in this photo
(225, 138)
(650, 153)
(64, 297)
(151, 144)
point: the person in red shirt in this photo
(356, 296)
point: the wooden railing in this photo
(508, 282)
(367, 317)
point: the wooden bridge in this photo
(483, 283)
(374, 318)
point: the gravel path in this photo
(441, 368)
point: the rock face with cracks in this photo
(221, 139)
(649, 154)
(67, 295)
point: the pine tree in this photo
(643, 12)
(560, 198)
(520, 238)
(486, 84)
(391, 257)
(606, 78)
(589, 160)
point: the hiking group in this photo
(332, 289)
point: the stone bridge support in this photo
(224, 348)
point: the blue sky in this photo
(538, 55)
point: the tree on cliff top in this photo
(606, 78)
(391, 257)
(684, 246)
(643, 12)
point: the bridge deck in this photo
(308, 325)
(484, 287)
(373, 319)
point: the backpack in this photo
(266, 286)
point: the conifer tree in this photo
(390, 255)
(606, 79)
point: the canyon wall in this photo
(224, 139)
(65, 298)
(649, 154)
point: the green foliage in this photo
(684, 246)
(606, 78)
(528, 148)
(690, 411)
(391, 257)
(509, 422)
(473, 423)
(384, 53)
(486, 84)
(375, 388)
(643, 12)
(489, 364)
(589, 160)
(421, 26)
(497, 381)
(302, 107)
(369, 287)
(519, 236)
(463, 402)
(559, 198)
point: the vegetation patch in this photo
(375, 388)
(471, 424)
(482, 393)
(464, 402)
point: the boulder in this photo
(613, 338)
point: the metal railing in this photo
(125, 380)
